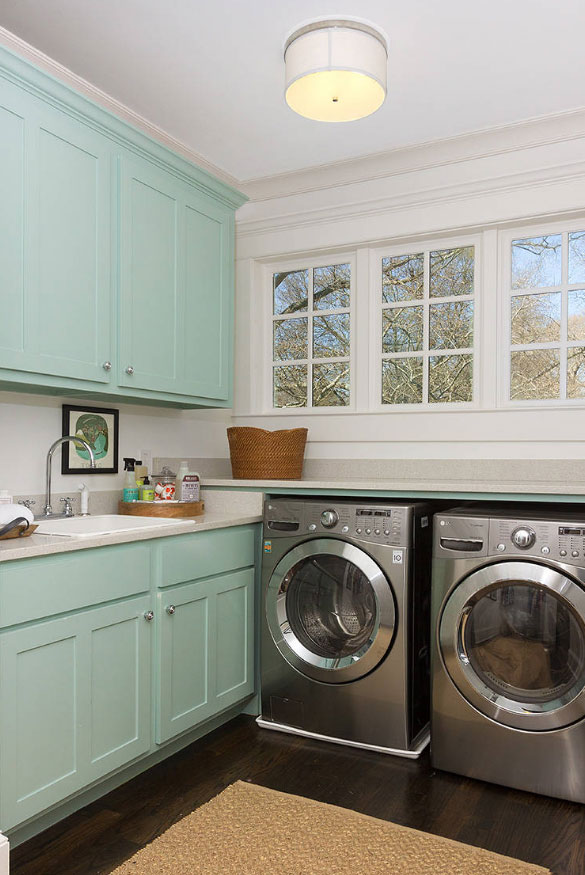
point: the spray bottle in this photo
(130, 488)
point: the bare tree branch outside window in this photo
(311, 331)
(427, 327)
(547, 357)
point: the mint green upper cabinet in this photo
(176, 285)
(207, 328)
(116, 254)
(54, 241)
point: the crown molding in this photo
(63, 74)
(485, 143)
(419, 198)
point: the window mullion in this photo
(310, 316)
(426, 326)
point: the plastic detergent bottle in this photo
(130, 488)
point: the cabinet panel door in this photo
(184, 637)
(12, 240)
(208, 278)
(119, 685)
(41, 690)
(55, 218)
(233, 656)
(150, 293)
(206, 650)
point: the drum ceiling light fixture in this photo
(335, 70)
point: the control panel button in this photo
(574, 553)
(501, 548)
(545, 550)
(329, 518)
(562, 552)
(386, 532)
(312, 527)
(376, 531)
(368, 531)
(358, 531)
(345, 529)
(523, 537)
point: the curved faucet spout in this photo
(48, 510)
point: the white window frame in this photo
(308, 263)
(506, 293)
(377, 307)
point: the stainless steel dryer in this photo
(346, 610)
(508, 661)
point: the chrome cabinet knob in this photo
(107, 366)
(170, 609)
(148, 616)
(129, 370)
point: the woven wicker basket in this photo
(258, 454)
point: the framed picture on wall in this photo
(99, 427)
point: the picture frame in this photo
(99, 426)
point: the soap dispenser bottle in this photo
(130, 488)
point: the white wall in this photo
(30, 423)
(528, 175)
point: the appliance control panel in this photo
(557, 540)
(466, 536)
(373, 523)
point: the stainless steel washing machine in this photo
(508, 653)
(346, 611)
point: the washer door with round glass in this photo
(330, 610)
(512, 638)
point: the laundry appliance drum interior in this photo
(346, 610)
(332, 612)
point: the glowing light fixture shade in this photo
(335, 70)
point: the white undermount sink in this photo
(105, 524)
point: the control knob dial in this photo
(329, 518)
(523, 537)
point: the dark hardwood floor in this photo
(98, 838)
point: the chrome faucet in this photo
(48, 510)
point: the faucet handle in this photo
(27, 502)
(68, 506)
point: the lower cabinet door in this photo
(75, 704)
(118, 700)
(206, 650)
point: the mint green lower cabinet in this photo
(205, 650)
(75, 696)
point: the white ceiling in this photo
(211, 73)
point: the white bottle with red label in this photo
(187, 484)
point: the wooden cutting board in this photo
(18, 533)
(169, 509)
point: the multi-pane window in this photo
(547, 317)
(311, 337)
(427, 326)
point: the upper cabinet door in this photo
(151, 297)
(208, 278)
(176, 285)
(55, 176)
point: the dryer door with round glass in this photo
(512, 638)
(330, 610)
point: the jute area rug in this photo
(249, 830)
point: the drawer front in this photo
(202, 554)
(31, 589)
